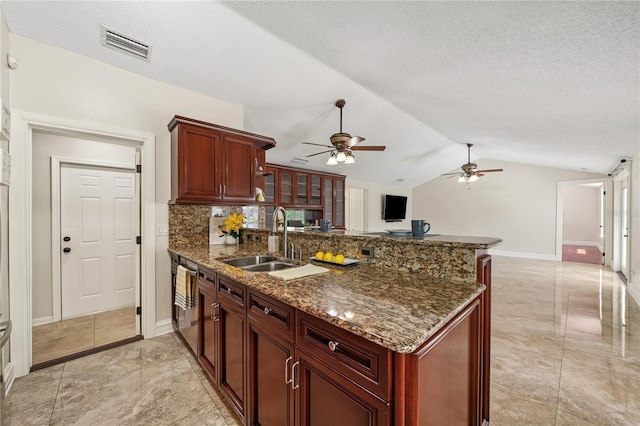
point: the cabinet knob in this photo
(332, 345)
(229, 290)
(267, 311)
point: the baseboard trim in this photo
(524, 255)
(8, 375)
(634, 292)
(164, 327)
(581, 243)
(42, 321)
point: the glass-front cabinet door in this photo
(302, 186)
(328, 198)
(339, 206)
(270, 186)
(286, 187)
(316, 191)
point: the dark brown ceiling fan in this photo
(342, 144)
(469, 170)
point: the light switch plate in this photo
(162, 229)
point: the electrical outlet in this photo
(366, 252)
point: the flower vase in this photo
(230, 240)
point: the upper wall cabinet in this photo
(212, 164)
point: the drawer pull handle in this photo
(214, 308)
(332, 345)
(294, 385)
(229, 290)
(267, 311)
(287, 379)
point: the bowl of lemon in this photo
(337, 259)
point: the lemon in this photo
(339, 258)
(320, 255)
(328, 256)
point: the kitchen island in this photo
(399, 340)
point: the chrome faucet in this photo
(274, 227)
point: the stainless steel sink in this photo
(249, 260)
(270, 266)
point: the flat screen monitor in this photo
(394, 208)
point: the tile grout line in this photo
(564, 339)
(55, 401)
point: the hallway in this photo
(565, 351)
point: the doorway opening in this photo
(24, 245)
(93, 262)
(583, 222)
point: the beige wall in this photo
(517, 205)
(581, 215)
(373, 201)
(44, 147)
(634, 232)
(59, 83)
(4, 191)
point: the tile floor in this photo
(58, 339)
(565, 341)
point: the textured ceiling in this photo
(546, 83)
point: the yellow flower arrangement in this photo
(232, 225)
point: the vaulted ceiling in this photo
(546, 83)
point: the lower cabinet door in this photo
(208, 338)
(271, 397)
(324, 397)
(231, 359)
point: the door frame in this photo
(20, 212)
(56, 163)
(618, 179)
(608, 228)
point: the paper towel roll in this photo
(214, 230)
(273, 243)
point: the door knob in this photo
(66, 249)
(66, 239)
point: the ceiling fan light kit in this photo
(342, 144)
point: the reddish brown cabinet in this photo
(270, 358)
(208, 317)
(232, 344)
(305, 189)
(277, 365)
(212, 163)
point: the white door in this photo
(356, 210)
(99, 225)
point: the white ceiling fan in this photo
(470, 172)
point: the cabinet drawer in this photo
(206, 279)
(231, 291)
(353, 356)
(279, 317)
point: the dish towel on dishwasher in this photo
(299, 272)
(183, 283)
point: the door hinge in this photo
(138, 239)
(138, 168)
(139, 310)
(602, 254)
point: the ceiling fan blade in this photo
(318, 153)
(353, 141)
(317, 144)
(368, 148)
(489, 171)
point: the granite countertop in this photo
(429, 239)
(397, 310)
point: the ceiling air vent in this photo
(125, 44)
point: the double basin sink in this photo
(259, 263)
